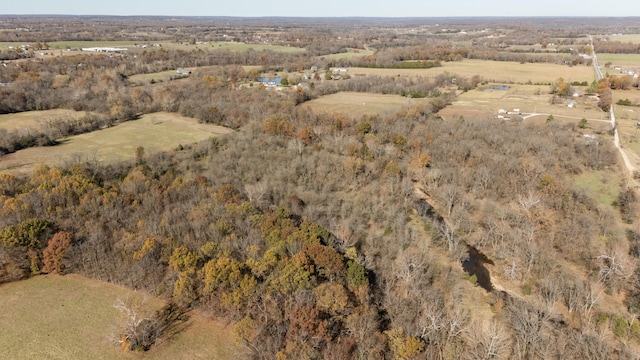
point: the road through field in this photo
(612, 117)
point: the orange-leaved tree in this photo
(53, 254)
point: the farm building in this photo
(270, 82)
(105, 49)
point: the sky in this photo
(326, 8)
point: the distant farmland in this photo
(498, 71)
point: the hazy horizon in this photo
(328, 8)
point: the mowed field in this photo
(155, 132)
(72, 317)
(354, 104)
(494, 71)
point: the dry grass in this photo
(34, 119)
(71, 317)
(155, 132)
(353, 104)
(625, 60)
(498, 71)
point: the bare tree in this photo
(488, 341)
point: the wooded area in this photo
(323, 235)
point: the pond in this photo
(474, 265)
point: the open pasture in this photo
(494, 71)
(72, 317)
(155, 132)
(354, 104)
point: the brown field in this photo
(494, 71)
(154, 132)
(72, 317)
(34, 119)
(353, 104)
(529, 99)
(632, 38)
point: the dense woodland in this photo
(323, 236)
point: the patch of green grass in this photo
(602, 185)
(71, 317)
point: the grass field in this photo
(353, 104)
(34, 119)
(628, 60)
(154, 132)
(495, 71)
(72, 317)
